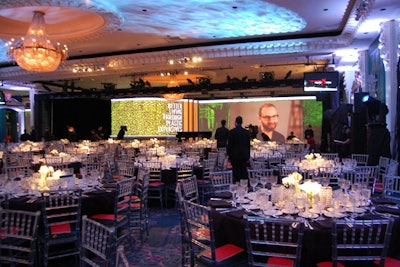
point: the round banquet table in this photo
(229, 228)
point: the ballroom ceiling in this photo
(126, 42)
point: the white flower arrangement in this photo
(311, 187)
(292, 179)
(154, 140)
(64, 141)
(313, 156)
(135, 143)
(255, 141)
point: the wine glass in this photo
(336, 205)
(366, 195)
(344, 185)
(263, 181)
(301, 203)
(273, 179)
(253, 183)
(325, 181)
(233, 189)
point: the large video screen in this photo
(321, 81)
(146, 117)
(295, 114)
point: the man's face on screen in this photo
(268, 118)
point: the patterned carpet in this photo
(163, 246)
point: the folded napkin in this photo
(382, 200)
(216, 203)
(385, 209)
(224, 195)
(237, 213)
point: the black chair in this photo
(359, 241)
(203, 250)
(273, 242)
(61, 212)
(18, 241)
(119, 219)
(98, 244)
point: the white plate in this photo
(295, 211)
(250, 207)
(355, 209)
(315, 211)
(308, 215)
(21, 195)
(272, 212)
(333, 214)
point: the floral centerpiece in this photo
(255, 142)
(313, 161)
(294, 140)
(54, 152)
(292, 180)
(313, 156)
(205, 142)
(154, 141)
(135, 143)
(311, 188)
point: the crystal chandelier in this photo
(35, 52)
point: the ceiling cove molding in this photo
(353, 23)
(114, 63)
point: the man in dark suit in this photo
(239, 150)
(221, 134)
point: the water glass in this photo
(241, 192)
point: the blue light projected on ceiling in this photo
(208, 18)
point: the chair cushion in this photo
(280, 261)
(13, 231)
(328, 264)
(199, 181)
(156, 184)
(223, 252)
(60, 228)
(133, 198)
(389, 262)
(103, 216)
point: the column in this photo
(389, 44)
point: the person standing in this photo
(291, 136)
(121, 133)
(48, 135)
(239, 150)
(309, 132)
(221, 135)
(25, 136)
(268, 118)
(34, 137)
